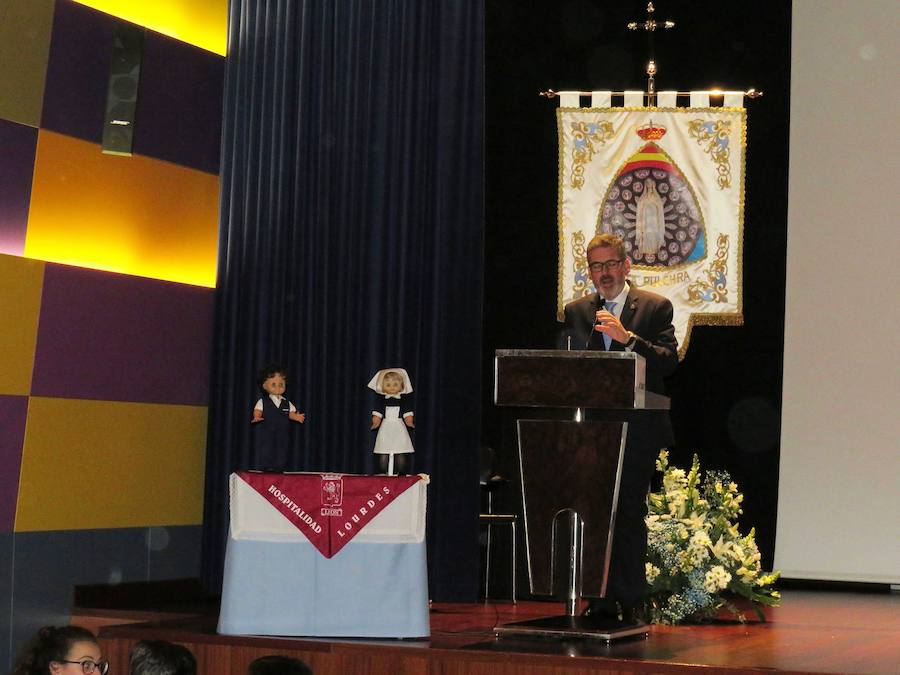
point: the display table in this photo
(326, 555)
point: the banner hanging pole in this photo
(649, 26)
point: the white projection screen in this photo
(839, 485)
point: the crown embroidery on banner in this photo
(651, 132)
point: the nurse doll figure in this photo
(392, 416)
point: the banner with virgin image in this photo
(670, 182)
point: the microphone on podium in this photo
(599, 304)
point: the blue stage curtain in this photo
(352, 240)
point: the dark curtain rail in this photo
(351, 239)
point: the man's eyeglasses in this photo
(607, 266)
(89, 667)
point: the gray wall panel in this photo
(6, 542)
(48, 565)
(174, 552)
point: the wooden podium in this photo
(571, 469)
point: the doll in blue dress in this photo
(273, 418)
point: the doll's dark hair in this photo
(51, 643)
(270, 370)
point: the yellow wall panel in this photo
(199, 22)
(102, 464)
(21, 283)
(24, 48)
(133, 215)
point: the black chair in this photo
(491, 482)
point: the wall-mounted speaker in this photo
(122, 93)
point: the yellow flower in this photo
(663, 460)
(746, 574)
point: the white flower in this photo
(700, 539)
(677, 503)
(698, 549)
(722, 548)
(652, 572)
(696, 521)
(716, 579)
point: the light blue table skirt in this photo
(289, 588)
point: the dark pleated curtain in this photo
(351, 240)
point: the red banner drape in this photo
(329, 509)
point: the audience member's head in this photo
(278, 665)
(66, 650)
(158, 657)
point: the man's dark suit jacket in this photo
(649, 316)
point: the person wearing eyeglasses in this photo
(64, 650)
(621, 317)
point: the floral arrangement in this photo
(695, 553)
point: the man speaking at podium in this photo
(619, 317)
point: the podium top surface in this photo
(610, 380)
(574, 354)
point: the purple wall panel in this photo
(179, 113)
(116, 337)
(78, 71)
(13, 410)
(17, 146)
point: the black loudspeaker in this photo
(121, 96)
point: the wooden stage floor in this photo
(813, 632)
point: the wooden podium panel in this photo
(562, 379)
(570, 465)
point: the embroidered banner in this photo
(670, 182)
(329, 509)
